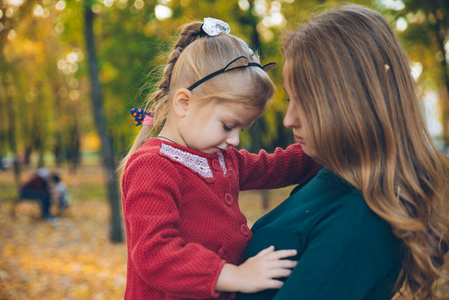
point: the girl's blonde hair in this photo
(354, 87)
(194, 56)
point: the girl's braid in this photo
(189, 33)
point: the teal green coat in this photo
(345, 251)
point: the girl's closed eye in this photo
(226, 127)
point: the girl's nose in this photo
(233, 139)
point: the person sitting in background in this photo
(37, 187)
(60, 193)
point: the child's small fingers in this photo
(283, 254)
(279, 273)
(286, 264)
(274, 284)
(266, 251)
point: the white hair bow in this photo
(214, 27)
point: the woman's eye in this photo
(227, 128)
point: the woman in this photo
(371, 222)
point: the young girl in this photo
(186, 235)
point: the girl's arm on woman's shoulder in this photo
(279, 169)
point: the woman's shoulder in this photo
(356, 225)
(341, 198)
(338, 204)
(354, 206)
(352, 217)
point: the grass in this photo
(7, 191)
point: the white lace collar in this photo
(192, 161)
(222, 162)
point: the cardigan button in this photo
(245, 229)
(216, 165)
(228, 199)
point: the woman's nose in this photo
(291, 116)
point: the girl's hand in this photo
(257, 273)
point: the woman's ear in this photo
(182, 102)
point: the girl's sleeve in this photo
(157, 252)
(279, 169)
(344, 260)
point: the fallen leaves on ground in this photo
(71, 258)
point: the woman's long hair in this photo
(353, 83)
(194, 56)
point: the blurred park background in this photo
(70, 71)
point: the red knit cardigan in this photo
(182, 218)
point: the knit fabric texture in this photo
(182, 217)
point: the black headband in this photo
(238, 63)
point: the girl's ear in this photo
(182, 102)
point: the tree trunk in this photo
(57, 149)
(75, 144)
(12, 128)
(38, 131)
(106, 147)
(27, 154)
(57, 146)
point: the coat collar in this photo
(196, 161)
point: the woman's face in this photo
(294, 117)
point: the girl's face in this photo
(214, 128)
(294, 119)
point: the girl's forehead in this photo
(239, 112)
(235, 106)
